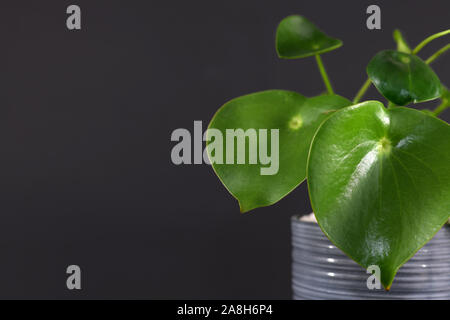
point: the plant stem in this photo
(440, 108)
(402, 45)
(437, 54)
(324, 75)
(429, 39)
(391, 104)
(362, 91)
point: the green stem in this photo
(429, 39)
(440, 108)
(437, 54)
(362, 91)
(402, 45)
(391, 104)
(324, 75)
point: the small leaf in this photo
(297, 37)
(403, 78)
(295, 116)
(379, 182)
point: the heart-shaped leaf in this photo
(296, 118)
(379, 182)
(297, 37)
(403, 78)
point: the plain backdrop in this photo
(86, 116)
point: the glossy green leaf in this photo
(295, 116)
(297, 37)
(379, 182)
(403, 78)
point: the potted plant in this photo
(378, 176)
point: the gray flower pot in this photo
(322, 271)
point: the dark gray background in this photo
(85, 123)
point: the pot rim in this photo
(297, 218)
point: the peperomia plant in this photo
(378, 177)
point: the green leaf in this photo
(295, 116)
(297, 37)
(379, 182)
(403, 78)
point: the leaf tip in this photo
(242, 208)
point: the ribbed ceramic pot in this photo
(322, 271)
